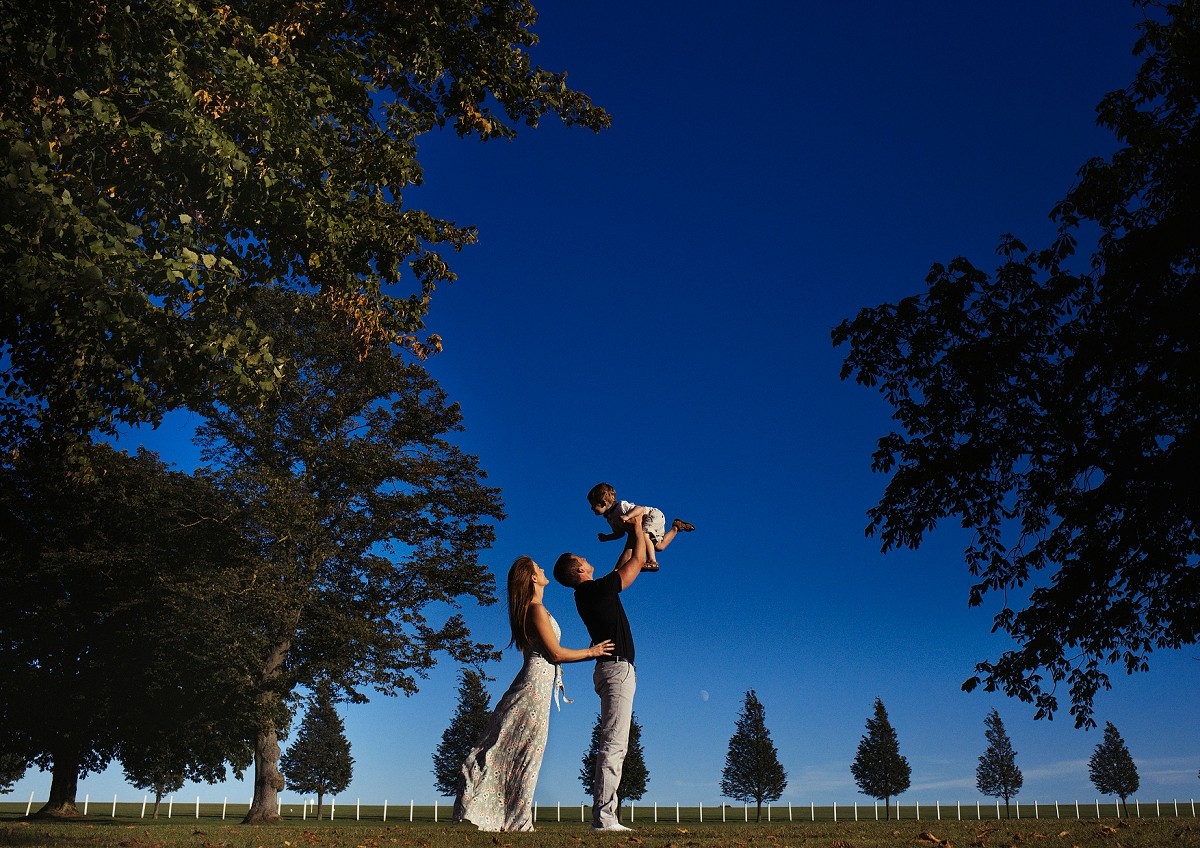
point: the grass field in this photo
(214, 833)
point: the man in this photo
(599, 605)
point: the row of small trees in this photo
(753, 773)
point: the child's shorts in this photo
(654, 524)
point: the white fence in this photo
(305, 808)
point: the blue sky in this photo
(651, 306)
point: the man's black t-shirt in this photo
(599, 605)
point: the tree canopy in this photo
(1111, 766)
(106, 588)
(319, 760)
(1054, 410)
(752, 769)
(635, 776)
(162, 160)
(878, 768)
(465, 729)
(360, 516)
(997, 774)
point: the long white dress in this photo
(500, 773)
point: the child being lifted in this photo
(603, 499)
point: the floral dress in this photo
(500, 773)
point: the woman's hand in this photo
(600, 649)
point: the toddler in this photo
(603, 500)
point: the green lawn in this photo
(177, 833)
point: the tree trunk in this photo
(157, 801)
(63, 787)
(268, 782)
(320, 803)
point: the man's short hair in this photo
(564, 570)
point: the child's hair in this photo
(599, 492)
(520, 596)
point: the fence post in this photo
(559, 811)
(385, 809)
(835, 810)
(144, 797)
(29, 806)
(333, 807)
(86, 798)
(224, 804)
(358, 809)
(410, 810)
(700, 807)
(170, 805)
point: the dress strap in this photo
(560, 688)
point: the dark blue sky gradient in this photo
(651, 306)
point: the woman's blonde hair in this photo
(520, 596)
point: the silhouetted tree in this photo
(466, 728)
(12, 769)
(154, 771)
(319, 760)
(878, 768)
(112, 582)
(634, 774)
(997, 774)
(1112, 768)
(1034, 408)
(752, 769)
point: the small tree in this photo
(634, 774)
(468, 725)
(997, 774)
(878, 768)
(1111, 767)
(12, 769)
(752, 770)
(154, 771)
(319, 760)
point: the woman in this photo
(500, 773)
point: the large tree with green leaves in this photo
(319, 761)
(635, 776)
(752, 769)
(1111, 766)
(164, 159)
(107, 588)
(466, 728)
(997, 774)
(1052, 407)
(878, 768)
(361, 515)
